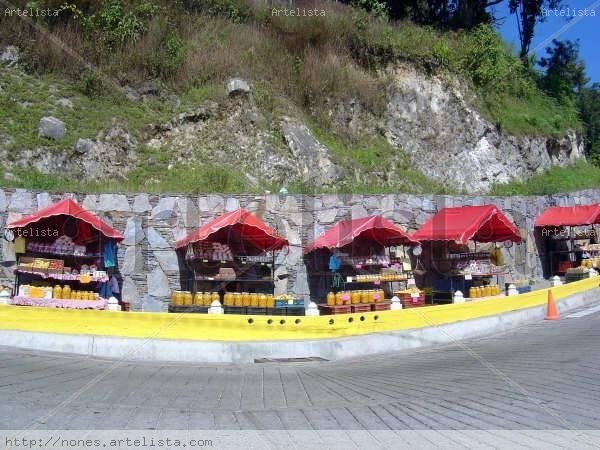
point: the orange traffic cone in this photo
(552, 312)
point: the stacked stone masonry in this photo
(152, 223)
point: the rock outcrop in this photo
(428, 118)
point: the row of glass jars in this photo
(484, 291)
(185, 298)
(66, 293)
(380, 277)
(355, 297)
(247, 299)
(590, 263)
(240, 299)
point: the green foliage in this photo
(378, 8)
(564, 71)
(166, 60)
(588, 101)
(581, 175)
(236, 10)
(91, 84)
(116, 24)
(487, 60)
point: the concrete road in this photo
(542, 376)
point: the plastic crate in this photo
(285, 303)
(294, 311)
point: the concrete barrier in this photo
(157, 349)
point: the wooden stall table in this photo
(361, 307)
(380, 306)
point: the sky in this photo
(582, 27)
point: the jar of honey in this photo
(366, 297)
(187, 298)
(270, 301)
(198, 299)
(262, 301)
(471, 292)
(330, 299)
(57, 292)
(238, 300)
(338, 298)
(66, 292)
(381, 295)
(355, 297)
(226, 298)
(254, 300)
(246, 299)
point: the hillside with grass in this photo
(225, 95)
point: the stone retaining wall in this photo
(152, 223)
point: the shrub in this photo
(487, 59)
(236, 10)
(91, 84)
(117, 25)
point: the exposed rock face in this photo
(429, 118)
(230, 133)
(315, 161)
(111, 155)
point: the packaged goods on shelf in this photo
(213, 251)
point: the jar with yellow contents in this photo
(254, 300)
(330, 299)
(246, 299)
(238, 300)
(355, 297)
(270, 301)
(262, 301)
(338, 298)
(366, 297)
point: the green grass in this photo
(203, 179)
(536, 114)
(581, 175)
(372, 155)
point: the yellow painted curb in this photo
(266, 328)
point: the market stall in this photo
(357, 264)
(451, 255)
(232, 259)
(567, 238)
(66, 258)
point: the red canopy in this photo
(478, 223)
(68, 207)
(569, 216)
(373, 228)
(239, 229)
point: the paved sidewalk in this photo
(542, 376)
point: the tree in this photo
(564, 72)
(588, 102)
(441, 13)
(529, 13)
